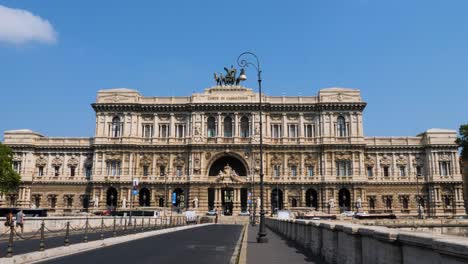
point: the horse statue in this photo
(219, 79)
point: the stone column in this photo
(220, 125)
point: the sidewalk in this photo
(277, 250)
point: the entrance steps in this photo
(237, 220)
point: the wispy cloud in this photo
(18, 26)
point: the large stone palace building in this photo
(202, 152)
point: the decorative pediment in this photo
(41, 161)
(309, 117)
(293, 117)
(179, 160)
(276, 160)
(164, 117)
(180, 118)
(385, 161)
(309, 160)
(147, 118)
(275, 117)
(89, 161)
(418, 161)
(162, 160)
(113, 156)
(57, 161)
(293, 160)
(73, 162)
(444, 157)
(17, 157)
(370, 162)
(342, 156)
(145, 161)
(401, 161)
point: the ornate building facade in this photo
(202, 152)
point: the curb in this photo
(237, 255)
(36, 257)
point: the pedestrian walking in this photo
(9, 220)
(216, 215)
(20, 220)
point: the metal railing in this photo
(117, 228)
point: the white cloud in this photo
(19, 26)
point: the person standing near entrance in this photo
(20, 220)
(216, 215)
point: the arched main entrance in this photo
(234, 162)
(227, 198)
(111, 198)
(276, 200)
(144, 197)
(311, 198)
(344, 198)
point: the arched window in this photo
(244, 127)
(211, 127)
(228, 126)
(341, 127)
(116, 127)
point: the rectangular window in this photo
(147, 130)
(275, 130)
(180, 130)
(88, 171)
(309, 130)
(72, 171)
(292, 131)
(113, 168)
(40, 171)
(386, 171)
(17, 166)
(164, 130)
(444, 167)
(162, 170)
(145, 171)
(310, 171)
(276, 170)
(402, 171)
(179, 171)
(294, 171)
(57, 171)
(343, 168)
(370, 171)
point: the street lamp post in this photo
(242, 62)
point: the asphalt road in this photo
(208, 244)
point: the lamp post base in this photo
(261, 238)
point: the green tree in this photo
(9, 179)
(462, 141)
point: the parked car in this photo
(244, 213)
(348, 213)
(211, 212)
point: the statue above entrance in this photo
(230, 77)
(228, 174)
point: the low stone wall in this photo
(350, 243)
(32, 224)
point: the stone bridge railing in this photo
(347, 243)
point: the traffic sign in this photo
(135, 192)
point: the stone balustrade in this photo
(351, 243)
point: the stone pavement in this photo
(278, 250)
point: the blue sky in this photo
(409, 58)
